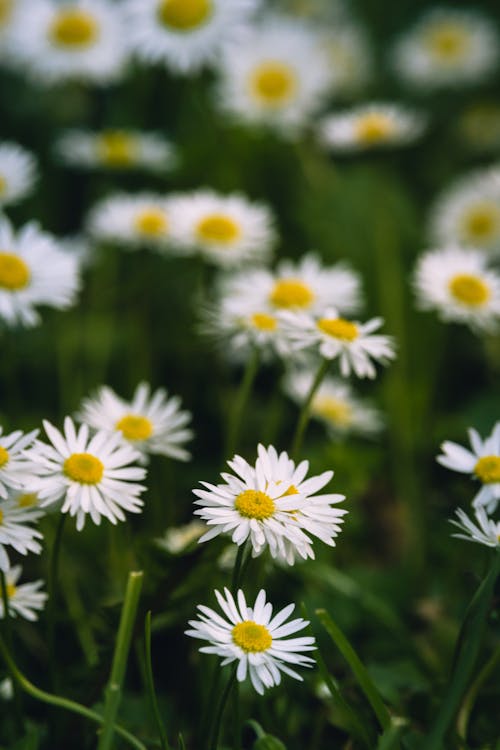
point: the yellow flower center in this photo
(374, 127)
(184, 15)
(1, 517)
(482, 222)
(11, 590)
(291, 293)
(151, 221)
(83, 468)
(5, 11)
(3, 185)
(264, 322)
(27, 500)
(135, 427)
(218, 228)
(448, 42)
(273, 82)
(73, 27)
(469, 289)
(116, 148)
(333, 409)
(487, 469)
(251, 637)
(4, 456)
(254, 504)
(338, 328)
(14, 273)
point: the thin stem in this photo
(51, 604)
(114, 687)
(240, 566)
(215, 733)
(8, 635)
(472, 693)
(151, 685)
(234, 425)
(56, 700)
(305, 411)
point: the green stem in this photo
(114, 687)
(305, 411)
(56, 700)
(151, 685)
(8, 635)
(468, 643)
(240, 402)
(359, 670)
(215, 733)
(472, 693)
(240, 566)
(51, 604)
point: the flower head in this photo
(91, 476)
(254, 638)
(14, 468)
(151, 423)
(272, 504)
(482, 462)
(18, 173)
(26, 599)
(486, 531)
(16, 531)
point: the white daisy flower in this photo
(278, 76)
(82, 40)
(25, 600)
(447, 47)
(151, 423)
(226, 229)
(16, 532)
(350, 58)
(14, 469)
(482, 463)
(334, 404)
(18, 173)
(178, 539)
(9, 10)
(185, 34)
(132, 221)
(353, 343)
(91, 476)
(118, 149)
(272, 504)
(254, 638)
(468, 212)
(34, 270)
(457, 283)
(485, 532)
(368, 126)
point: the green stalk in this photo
(60, 702)
(234, 425)
(216, 729)
(51, 603)
(151, 685)
(8, 635)
(359, 670)
(114, 687)
(240, 565)
(468, 643)
(472, 693)
(305, 411)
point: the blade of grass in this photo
(151, 686)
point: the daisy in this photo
(457, 283)
(368, 126)
(131, 221)
(486, 531)
(482, 463)
(353, 343)
(447, 47)
(334, 404)
(25, 600)
(254, 638)
(151, 423)
(16, 532)
(18, 173)
(177, 540)
(119, 149)
(34, 270)
(278, 76)
(9, 10)
(468, 213)
(185, 34)
(226, 229)
(14, 469)
(272, 504)
(350, 58)
(81, 40)
(91, 476)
